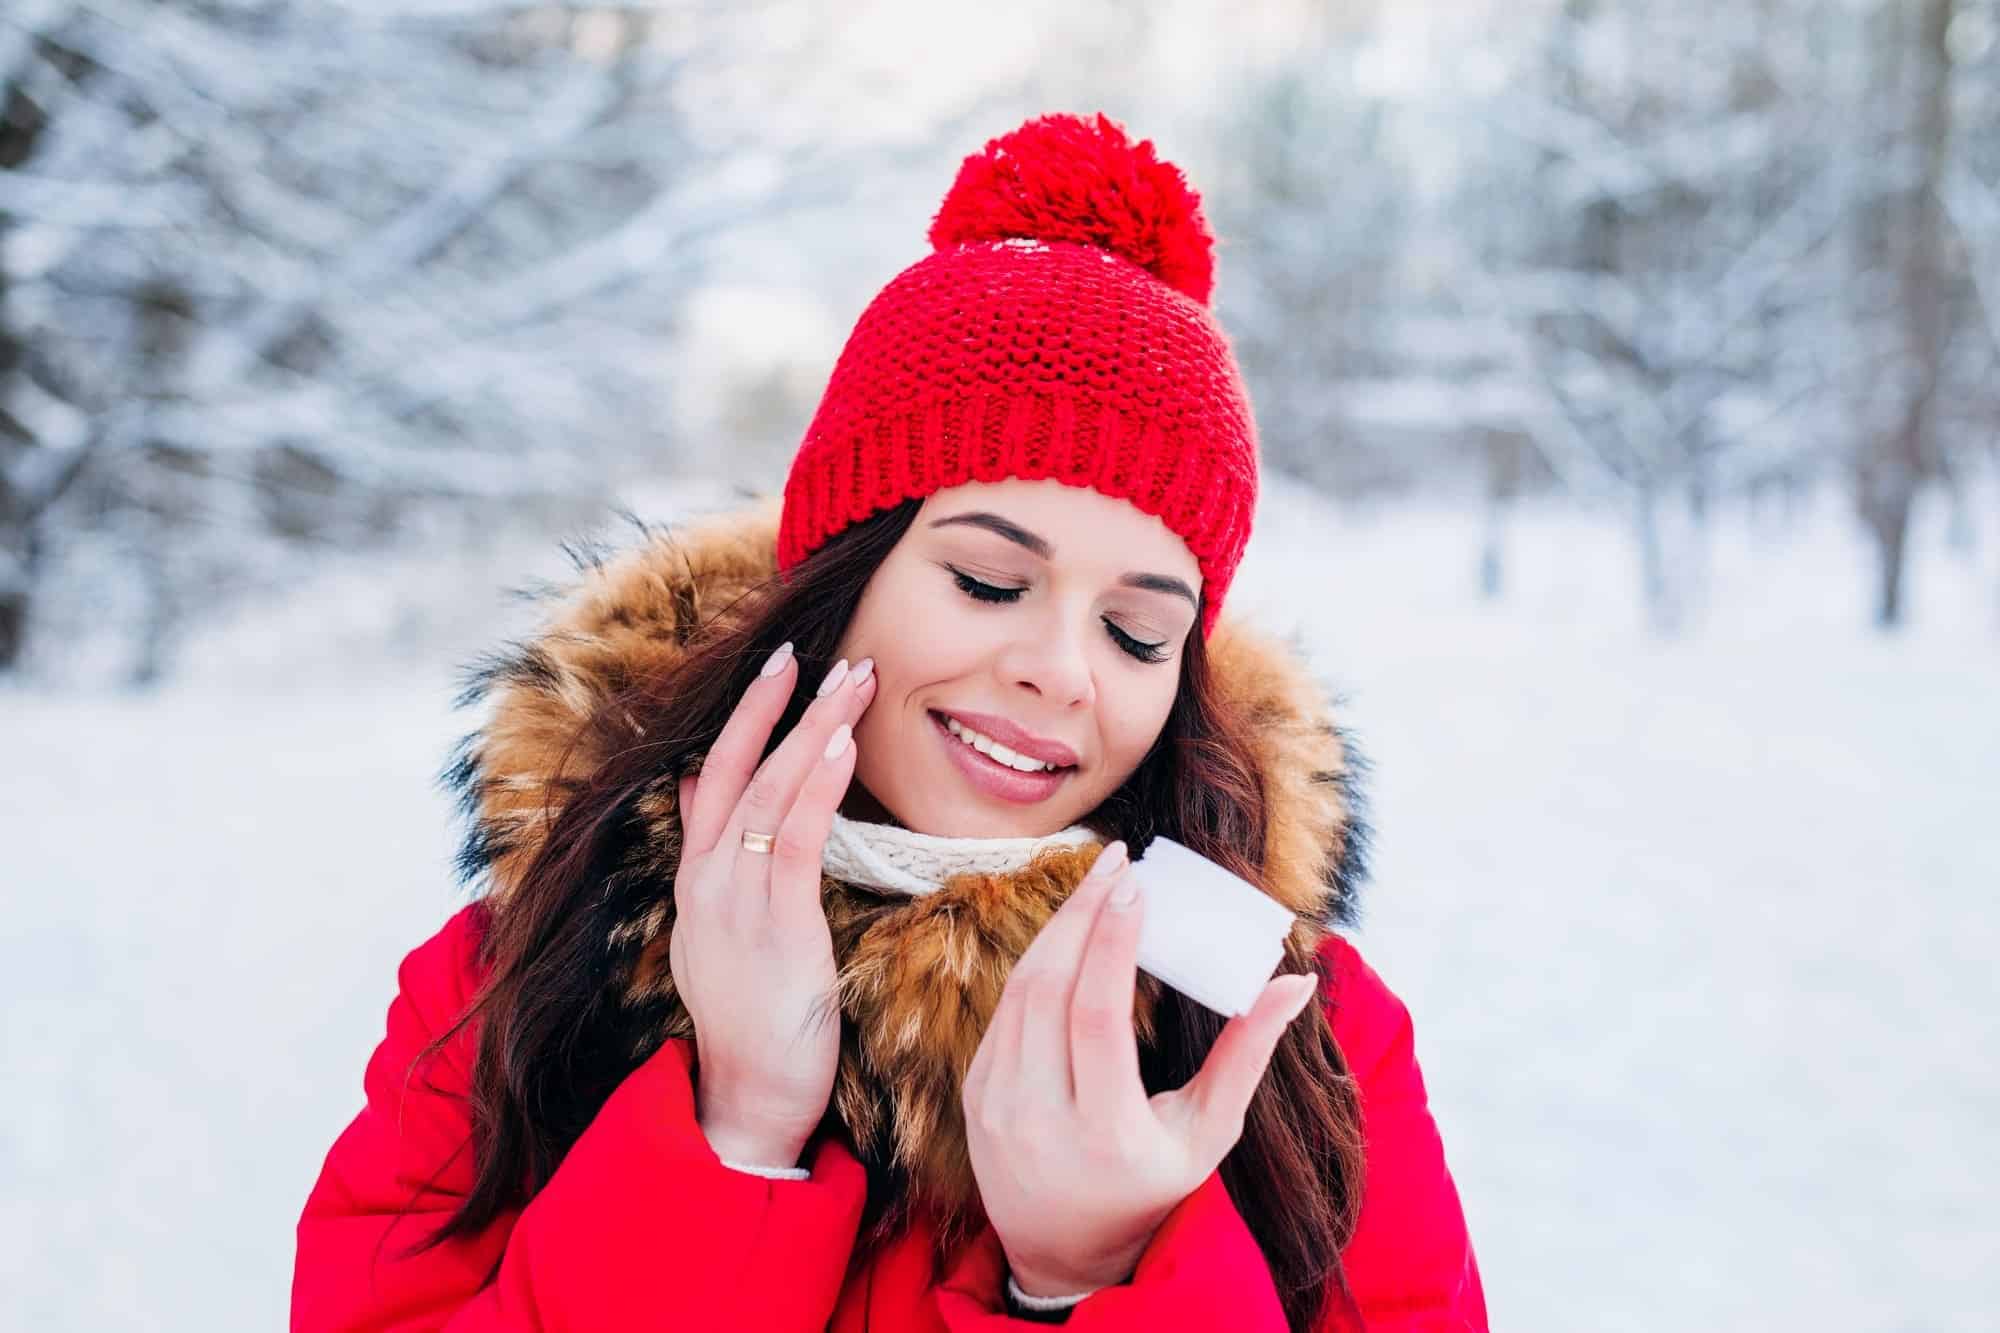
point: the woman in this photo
(802, 994)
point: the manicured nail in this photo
(861, 670)
(1108, 860)
(838, 741)
(1126, 891)
(1306, 985)
(834, 677)
(776, 661)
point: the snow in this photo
(1697, 932)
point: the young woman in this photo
(802, 992)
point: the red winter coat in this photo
(642, 1227)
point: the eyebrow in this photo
(1021, 537)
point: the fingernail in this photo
(838, 741)
(1126, 891)
(1306, 989)
(834, 677)
(776, 661)
(1109, 859)
(861, 670)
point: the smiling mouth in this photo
(994, 751)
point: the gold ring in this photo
(758, 842)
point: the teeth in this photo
(994, 750)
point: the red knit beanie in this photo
(1060, 328)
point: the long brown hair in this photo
(554, 1039)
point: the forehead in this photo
(1081, 525)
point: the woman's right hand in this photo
(751, 954)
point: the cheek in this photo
(918, 642)
(891, 616)
(920, 638)
(909, 616)
(1131, 714)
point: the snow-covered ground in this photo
(1698, 932)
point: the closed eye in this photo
(981, 591)
(1139, 648)
(984, 592)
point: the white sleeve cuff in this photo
(1028, 1302)
(770, 1172)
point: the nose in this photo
(1050, 663)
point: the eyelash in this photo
(988, 592)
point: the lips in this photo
(1015, 738)
(993, 779)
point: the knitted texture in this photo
(1058, 330)
(884, 856)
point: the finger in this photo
(733, 757)
(993, 1071)
(684, 802)
(795, 857)
(768, 797)
(1103, 1048)
(1045, 978)
(1219, 1096)
(1064, 932)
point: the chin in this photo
(975, 821)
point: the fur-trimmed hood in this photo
(918, 977)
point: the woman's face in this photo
(1043, 618)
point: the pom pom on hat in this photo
(1064, 178)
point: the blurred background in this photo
(1628, 374)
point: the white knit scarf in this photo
(884, 856)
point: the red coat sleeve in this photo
(641, 1227)
(1409, 1265)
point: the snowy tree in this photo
(278, 276)
(1309, 204)
(1921, 280)
(1674, 211)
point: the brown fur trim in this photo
(628, 619)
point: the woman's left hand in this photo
(1077, 1166)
